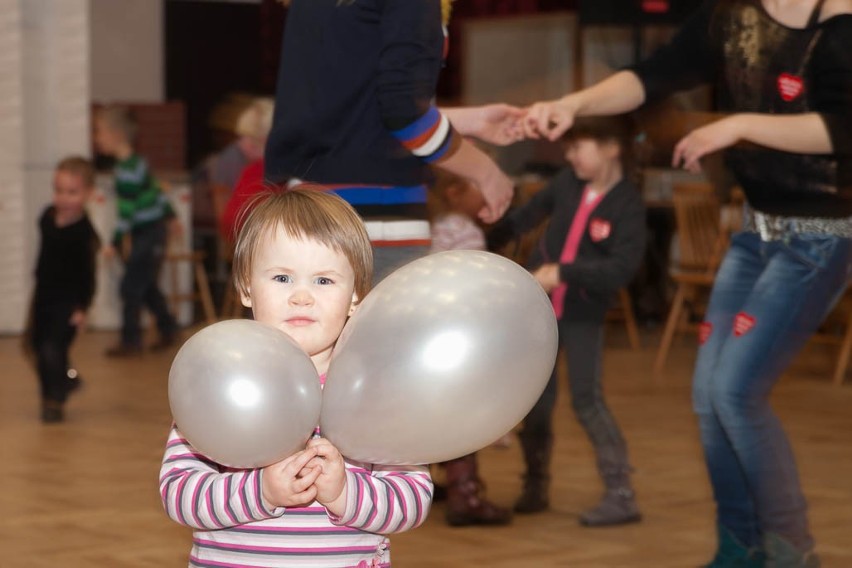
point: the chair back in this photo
(697, 215)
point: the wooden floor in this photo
(84, 493)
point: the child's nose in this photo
(301, 296)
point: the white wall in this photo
(44, 115)
(12, 206)
(127, 50)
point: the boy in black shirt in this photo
(65, 280)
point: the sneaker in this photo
(52, 412)
(618, 507)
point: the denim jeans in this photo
(139, 287)
(767, 300)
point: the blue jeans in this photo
(139, 287)
(768, 299)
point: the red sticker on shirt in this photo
(743, 324)
(599, 229)
(790, 86)
(704, 332)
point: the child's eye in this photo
(324, 281)
(283, 278)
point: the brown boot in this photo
(466, 503)
(534, 497)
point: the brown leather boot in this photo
(466, 503)
(534, 496)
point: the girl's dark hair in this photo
(620, 129)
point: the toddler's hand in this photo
(78, 319)
(289, 483)
(547, 276)
(331, 482)
(108, 251)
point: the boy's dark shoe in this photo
(52, 412)
(75, 381)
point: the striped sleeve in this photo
(197, 493)
(388, 499)
(431, 137)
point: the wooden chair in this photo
(175, 296)
(702, 241)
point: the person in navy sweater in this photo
(355, 112)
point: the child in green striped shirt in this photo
(141, 231)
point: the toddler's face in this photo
(303, 288)
(69, 193)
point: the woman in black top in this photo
(783, 74)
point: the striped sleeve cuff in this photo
(430, 137)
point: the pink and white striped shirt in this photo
(234, 527)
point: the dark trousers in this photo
(583, 345)
(139, 286)
(52, 338)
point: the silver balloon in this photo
(244, 393)
(443, 357)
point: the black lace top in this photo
(759, 65)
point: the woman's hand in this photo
(550, 119)
(705, 140)
(499, 124)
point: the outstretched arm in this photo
(619, 93)
(498, 124)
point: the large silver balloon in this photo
(443, 357)
(244, 393)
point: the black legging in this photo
(583, 345)
(52, 337)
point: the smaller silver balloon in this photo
(244, 394)
(443, 357)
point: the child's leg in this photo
(735, 280)
(537, 443)
(133, 287)
(584, 344)
(52, 339)
(139, 286)
(154, 299)
(802, 280)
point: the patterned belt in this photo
(778, 227)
